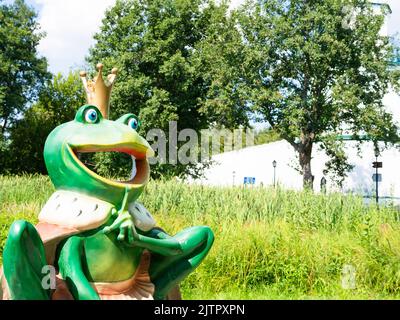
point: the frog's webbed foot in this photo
(23, 262)
(168, 271)
(125, 226)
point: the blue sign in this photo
(377, 178)
(249, 180)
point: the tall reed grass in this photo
(269, 243)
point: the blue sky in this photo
(71, 24)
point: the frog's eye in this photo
(88, 114)
(130, 120)
(134, 123)
(91, 115)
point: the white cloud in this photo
(394, 19)
(70, 26)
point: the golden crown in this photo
(98, 90)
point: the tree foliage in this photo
(22, 71)
(318, 69)
(266, 136)
(58, 102)
(172, 57)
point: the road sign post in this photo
(376, 177)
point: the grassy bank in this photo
(269, 243)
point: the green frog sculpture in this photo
(98, 240)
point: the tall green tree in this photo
(168, 70)
(317, 69)
(58, 102)
(22, 70)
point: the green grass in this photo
(269, 244)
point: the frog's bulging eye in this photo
(91, 116)
(130, 120)
(134, 123)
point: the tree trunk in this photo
(305, 152)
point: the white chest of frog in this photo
(81, 212)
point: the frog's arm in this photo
(166, 246)
(70, 265)
(161, 243)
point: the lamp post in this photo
(323, 185)
(274, 165)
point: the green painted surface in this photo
(68, 173)
(111, 252)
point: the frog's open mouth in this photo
(140, 171)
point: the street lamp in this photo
(323, 185)
(274, 165)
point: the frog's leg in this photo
(24, 259)
(192, 245)
(70, 266)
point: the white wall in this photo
(256, 162)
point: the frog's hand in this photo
(70, 265)
(24, 259)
